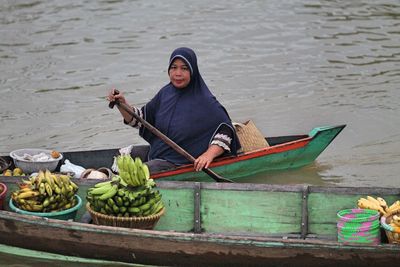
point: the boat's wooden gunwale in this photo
(340, 190)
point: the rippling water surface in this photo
(288, 65)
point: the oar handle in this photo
(165, 138)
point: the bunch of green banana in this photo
(133, 171)
(117, 199)
(46, 192)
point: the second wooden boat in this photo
(284, 152)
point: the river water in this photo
(287, 65)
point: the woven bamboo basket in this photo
(392, 233)
(147, 222)
(250, 137)
(4, 165)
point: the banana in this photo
(134, 210)
(115, 209)
(56, 179)
(102, 184)
(121, 192)
(396, 220)
(374, 200)
(35, 207)
(110, 193)
(39, 177)
(108, 209)
(367, 204)
(46, 202)
(48, 188)
(49, 179)
(124, 176)
(74, 186)
(146, 171)
(132, 170)
(101, 190)
(118, 200)
(382, 203)
(42, 188)
(64, 179)
(57, 189)
(28, 194)
(110, 202)
(122, 209)
(145, 207)
(120, 163)
(393, 207)
(158, 207)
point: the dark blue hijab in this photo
(189, 116)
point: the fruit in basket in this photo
(132, 171)
(396, 220)
(394, 208)
(17, 172)
(7, 172)
(129, 194)
(45, 192)
(368, 203)
(382, 203)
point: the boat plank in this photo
(251, 212)
(179, 210)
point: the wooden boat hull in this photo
(285, 152)
(212, 224)
(15, 256)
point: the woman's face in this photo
(179, 74)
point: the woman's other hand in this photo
(205, 159)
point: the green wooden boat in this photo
(285, 152)
(15, 256)
(214, 224)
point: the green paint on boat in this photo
(15, 256)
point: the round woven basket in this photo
(147, 222)
(392, 233)
(358, 226)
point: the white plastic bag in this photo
(69, 167)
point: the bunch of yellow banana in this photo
(115, 198)
(379, 204)
(132, 171)
(395, 222)
(394, 208)
(46, 192)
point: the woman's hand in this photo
(204, 160)
(114, 94)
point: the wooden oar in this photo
(168, 141)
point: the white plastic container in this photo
(29, 166)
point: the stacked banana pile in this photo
(379, 204)
(46, 192)
(129, 194)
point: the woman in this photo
(186, 112)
